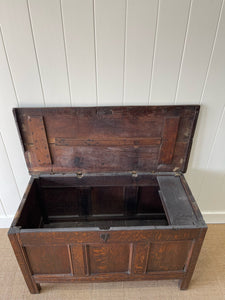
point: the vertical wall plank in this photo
(8, 189)
(214, 175)
(79, 37)
(172, 24)
(221, 193)
(110, 34)
(7, 124)
(2, 213)
(210, 116)
(48, 35)
(141, 26)
(17, 35)
(201, 33)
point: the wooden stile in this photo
(40, 143)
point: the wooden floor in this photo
(208, 281)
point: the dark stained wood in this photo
(107, 142)
(176, 201)
(61, 237)
(93, 206)
(140, 258)
(107, 200)
(48, 259)
(131, 199)
(61, 201)
(109, 258)
(99, 179)
(40, 143)
(109, 139)
(170, 130)
(192, 201)
(108, 222)
(168, 256)
(32, 285)
(26, 195)
(84, 201)
(193, 256)
(78, 259)
(109, 277)
(26, 218)
(149, 200)
(123, 213)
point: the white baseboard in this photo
(209, 217)
(5, 222)
(214, 217)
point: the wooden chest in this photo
(107, 199)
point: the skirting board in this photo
(214, 217)
(209, 217)
(5, 222)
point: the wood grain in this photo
(176, 201)
(169, 136)
(111, 139)
(109, 258)
(34, 288)
(40, 143)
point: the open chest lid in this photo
(107, 139)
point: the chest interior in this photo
(96, 201)
(96, 167)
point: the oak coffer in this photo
(107, 199)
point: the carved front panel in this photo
(108, 258)
(168, 256)
(48, 259)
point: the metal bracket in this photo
(79, 174)
(134, 174)
(177, 174)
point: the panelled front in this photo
(108, 257)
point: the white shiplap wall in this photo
(115, 52)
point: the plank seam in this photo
(65, 51)
(125, 49)
(153, 55)
(35, 51)
(9, 68)
(3, 208)
(215, 137)
(95, 52)
(183, 51)
(211, 152)
(13, 175)
(211, 54)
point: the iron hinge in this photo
(176, 174)
(79, 174)
(134, 174)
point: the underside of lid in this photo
(107, 139)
